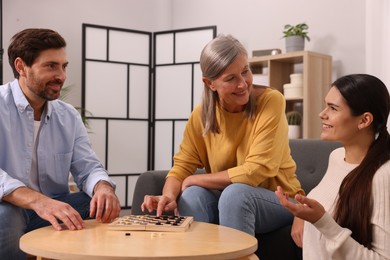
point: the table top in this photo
(96, 241)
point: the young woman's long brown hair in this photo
(363, 93)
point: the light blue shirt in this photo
(63, 146)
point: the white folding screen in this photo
(137, 125)
(177, 87)
(116, 91)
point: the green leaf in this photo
(83, 112)
(296, 30)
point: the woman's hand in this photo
(214, 181)
(309, 209)
(297, 231)
(159, 203)
(191, 180)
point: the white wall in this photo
(336, 27)
(378, 41)
(67, 16)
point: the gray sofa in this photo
(311, 157)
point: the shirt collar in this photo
(20, 100)
(22, 103)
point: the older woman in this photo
(239, 135)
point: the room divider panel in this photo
(139, 95)
(177, 88)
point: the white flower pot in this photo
(294, 131)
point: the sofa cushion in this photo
(148, 183)
(311, 157)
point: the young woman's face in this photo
(234, 85)
(338, 123)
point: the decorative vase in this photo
(295, 43)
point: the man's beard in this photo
(50, 94)
(47, 93)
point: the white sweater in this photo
(325, 239)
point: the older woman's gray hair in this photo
(216, 56)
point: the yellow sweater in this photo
(254, 151)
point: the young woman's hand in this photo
(308, 209)
(297, 231)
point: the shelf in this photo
(316, 69)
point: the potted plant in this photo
(295, 36)
(294, 120)
(83, 112)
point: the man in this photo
(42, 139)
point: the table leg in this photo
(249, 257)
(33, 257)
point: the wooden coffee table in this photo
(96, 241)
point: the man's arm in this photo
(47, 208)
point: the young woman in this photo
(239, 135)
(348, 213)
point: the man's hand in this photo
(54, 210)
(48, 209)
(104, 204)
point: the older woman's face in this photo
(234, 85)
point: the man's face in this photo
(43, 81)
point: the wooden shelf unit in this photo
(317, 75)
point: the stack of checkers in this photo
(151, 223)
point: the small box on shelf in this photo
(294, 89)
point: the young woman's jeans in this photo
(15, 221)
(250, 209)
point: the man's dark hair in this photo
(29, 43)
